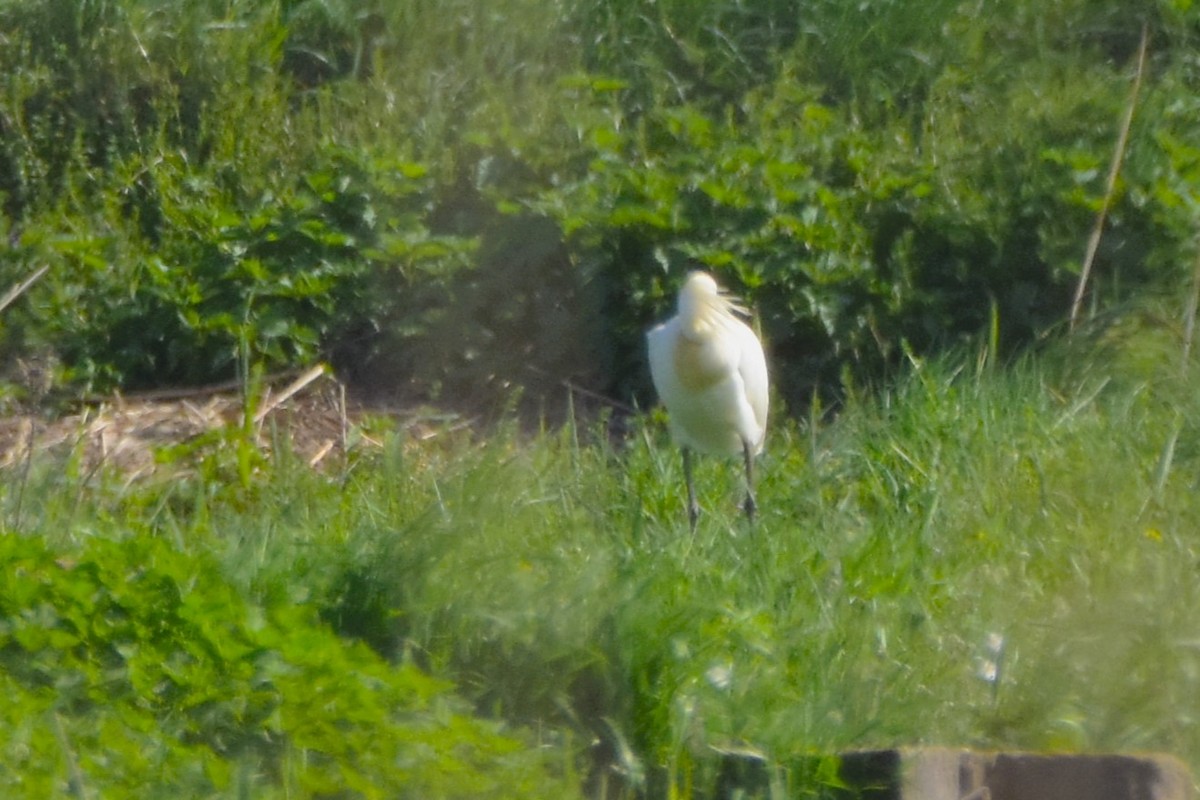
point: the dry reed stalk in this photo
(20, 288)
(1113, 171)
(293, 387)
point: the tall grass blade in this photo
(20, 288)
(1114, 171)
(1189, 317)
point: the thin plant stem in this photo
(1113, 172)
(20, 288)
(1189, 318)
(75, 782)
(25, 471)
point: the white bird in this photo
(709, 370)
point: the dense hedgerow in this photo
(461, 201)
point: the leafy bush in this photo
(465, 216)
(131, 669)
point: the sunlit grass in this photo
(981, 555)
(973, 553)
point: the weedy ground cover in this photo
(469, 203)
(999, 556)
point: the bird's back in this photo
(713, 380)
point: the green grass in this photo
(479, 202)
(549, 579)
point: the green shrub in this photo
(129, 668)
(466, 216)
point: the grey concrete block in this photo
(948, 774)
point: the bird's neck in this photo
(702, 322)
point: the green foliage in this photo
(1043, 505)
(988, 555)
(129, 668)
(279, 274)
(471, 203)
(465, 216)
(983, 554)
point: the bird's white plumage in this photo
(709, 370)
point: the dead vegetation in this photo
(309, 413)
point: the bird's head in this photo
(703, 306)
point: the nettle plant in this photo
(277, 276)
(131, 667)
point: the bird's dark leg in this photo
(693, 508)
(751, 505)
